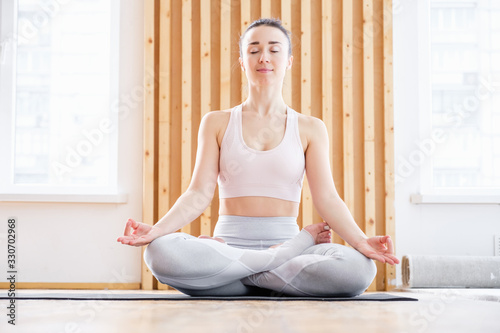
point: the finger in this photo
(377, 257)
(143, 240)
(389, 260)
(325, 233)
(124, 240)
(121, 238)
(128, 227)
(394, 259)
(390, 245)
(134, 224)
(325, 240)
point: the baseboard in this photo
(72, 285)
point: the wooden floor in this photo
(439, 311)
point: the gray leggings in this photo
(245, 265)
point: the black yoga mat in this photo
(111, 296)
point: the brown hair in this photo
(270, 22)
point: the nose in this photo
(264, 57)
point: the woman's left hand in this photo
(379, 248)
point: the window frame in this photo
(427, 135)
(47, 192)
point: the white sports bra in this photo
(276, 173)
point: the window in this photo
(464, 107)
(58, 81)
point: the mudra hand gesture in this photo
(378, 248)
(138, 234)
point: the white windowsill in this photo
(454, 199)
(75, 198)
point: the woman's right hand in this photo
(138, 234)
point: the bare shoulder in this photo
(214, 117)
(311, 126)
(216, 122)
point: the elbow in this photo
(326, 198)
(201, 197)
(193, 202)
(326, 201)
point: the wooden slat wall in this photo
(342, 73)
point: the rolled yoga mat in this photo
(427, 271)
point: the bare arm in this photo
(196, 198)
(329, 204)
(200, 192)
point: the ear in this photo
(290, 62)
(241, 64)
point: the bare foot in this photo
(214, 238)
(320, 232)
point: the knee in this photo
(152, 256)
(158, 254)
(366, 270)
(370, 271)
(359, 272)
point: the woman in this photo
(258, 153)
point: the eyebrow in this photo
(270, 42)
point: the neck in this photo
(265, 100)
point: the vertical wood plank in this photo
(236, 74)
(296, 30)
(369, 123)
(187, 128)
(348, 95)
(205, 84)
(164, 114)
(327, 78)
(149, 162)
(164, 111)
(390, 271)
(357, 113)
(215, 84)
(296, 72)
(307, 205)
(175, 159)
(369, 117)
(286, 20)
(316, 56)
(246, 19)
(265, 8)
(337, 135)
(276, 8)
(225, 55)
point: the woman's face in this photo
(265, 56)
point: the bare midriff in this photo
(258, 206)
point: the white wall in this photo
(76, 242)
(440, 229)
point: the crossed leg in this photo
(201, 266)
(321, 270)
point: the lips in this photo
(264, 70)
